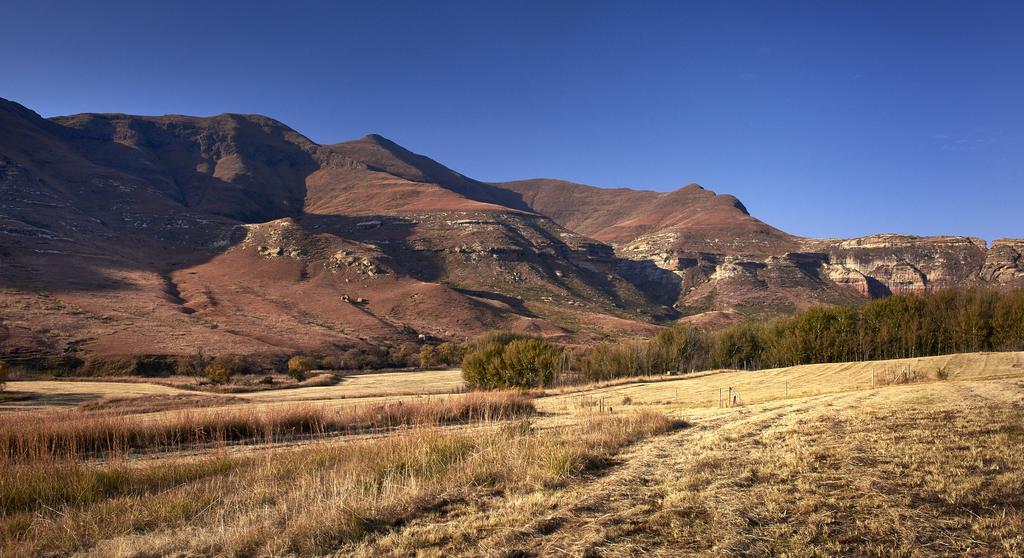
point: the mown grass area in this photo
(303, 500)
(908, 471)
(28, 436)
(709, 389)
(915, 470)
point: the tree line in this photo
(902, 326)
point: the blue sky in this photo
(824, 118)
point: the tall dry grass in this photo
(307, 500)
(70, 434)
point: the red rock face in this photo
(162, 235)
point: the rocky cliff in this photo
(703, 252)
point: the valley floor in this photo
(812, 461)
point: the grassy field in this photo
(45, 394)
(705, 389)
(920, 470)
(809, 461)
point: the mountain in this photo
(690, 218)
(711, 258)
(160, 235)
(127, 235)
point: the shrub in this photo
(221, 369)
(480, 366)
(298, 366)
(445, 354)
(506, 360)
(406, 354)
(334, 362)
(194, 364)
(3, 375)
(428, 357)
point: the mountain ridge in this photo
(236, 233)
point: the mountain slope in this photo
(233, 233)
(163, 235)
(690, 218)
(706, 254)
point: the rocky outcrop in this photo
(909, 264)
(1004, 262)
(835, 269)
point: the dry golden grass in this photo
(48, 394)
(73, 434)
(703, 390)
(931, 468)
(379, 384)
(690, 391)
(305, 501)
(156, 403)
(358, 389)
(919, 470)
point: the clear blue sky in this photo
(825, 118)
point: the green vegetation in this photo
(445, 354)
(504, 359)
(895, 327)
(671, 350)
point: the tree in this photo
(481, 365)
(221, 369)
(528, 363)
(299, 366)
(428, 356)
(1008, 322)
(502, 360)
(195, 364)
(737, 347)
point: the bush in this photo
(194, 364)
(3, 375)
(504, 360)
(298, 366)
(221, 369)
(445, 354)
(406, 354)
(334, 362)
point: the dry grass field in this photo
(809, 461)
(921, 470)
(705, 389)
